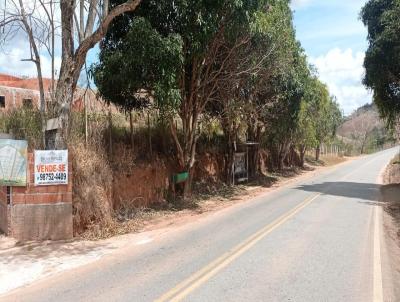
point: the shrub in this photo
(24, 123)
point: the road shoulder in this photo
(390, 200)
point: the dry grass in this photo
(396, 160)
(123, 157)
(392, 173)
(325, 160)
(333, 160)
(92, 202)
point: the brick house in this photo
(37, 212)
(16, 92)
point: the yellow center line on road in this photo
(183, 289)
(197, 279)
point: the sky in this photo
(334, 40)
(329, 30)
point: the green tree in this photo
(327, 116)
(306, 133)
(318, 118)
(140, 72)
(306, 130)
(281, 118)
(210, 32)
(243, 95)
(140, 69)
(382, 59)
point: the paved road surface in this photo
(318, 240)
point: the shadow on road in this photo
(364, 191)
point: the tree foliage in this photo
(140, 69)
(237, 61)
(382, 60)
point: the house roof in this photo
(26, 83)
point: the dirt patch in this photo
(208, 197)
(392, 173)
(6, 242)
(147, 184)
(390, 191)
(390, 197)
(326, 160)
(144, 185)
(209, 167)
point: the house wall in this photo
(38, 212)
(4, 211)
(15, 89)
(14, 97)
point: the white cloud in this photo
(10, 63)
(353, 4)
(13, 51)
(295, 4)
(342, 71)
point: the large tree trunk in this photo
(186, 148)
(281, 160)
(74, 59)
(230, 166)
(317, 152)
(363, 143)
(190, 109)
(230, 132)
(284, 149)
(302, 150)
(254, 135)
(64, 98)
(230, 159)
(131, 129)
(69, 74)
(281, 157)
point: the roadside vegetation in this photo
(364, 132)
(382, 60)
(382, 65)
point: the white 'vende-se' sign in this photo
(51, 167)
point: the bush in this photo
(24, 123)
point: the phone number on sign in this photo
(53, 176)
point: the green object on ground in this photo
(180, 177)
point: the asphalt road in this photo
(315, 240)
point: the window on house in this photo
(27, 103)
(2, 101)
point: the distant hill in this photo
(364, 130)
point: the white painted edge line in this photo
(378, 284)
